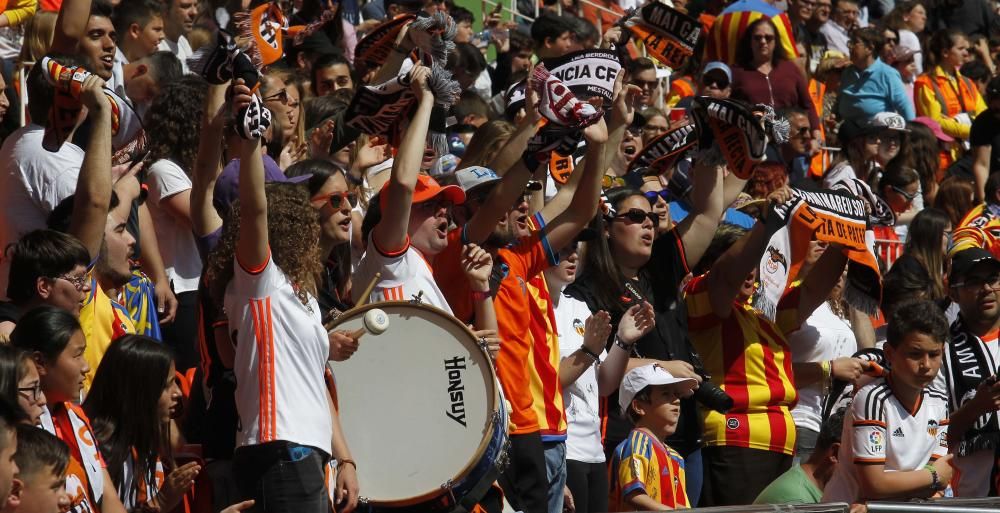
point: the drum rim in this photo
(497, 398)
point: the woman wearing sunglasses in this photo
(764, 73)
(627, 264)
(900, 188)
(19, 382)
(333, 200)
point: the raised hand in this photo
(596, 330)
(636, 323)
(92, 94)
(419, 77)
(477, 263)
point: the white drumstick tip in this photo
(376, 321)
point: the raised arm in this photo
(390, 233)
(820, 281)
(71, 25)
(515, 176)
(208, 163)
(731, 270)
(602, 144)
(707, 206)
(252, 246)
(93, 186)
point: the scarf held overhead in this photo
(667, 34)
(378, 110)
(740, 131)
(663, 152)
(126, 126)
(832, 217)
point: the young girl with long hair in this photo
(926, 251)
(56, 343)
(130, 404)
(19, 382)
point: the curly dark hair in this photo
(293, 233)
(173, 123)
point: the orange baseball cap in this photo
(427, 189)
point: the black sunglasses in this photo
(715, 82)
(638, 216)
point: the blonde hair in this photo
(486, 143)
(38, 33)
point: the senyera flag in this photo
(728, 28)
(668, 34)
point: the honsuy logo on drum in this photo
(456, 390)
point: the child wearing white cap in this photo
(648, 474)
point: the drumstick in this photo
(364, 299)
(368, 290)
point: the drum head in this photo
(416, 403)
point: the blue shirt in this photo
(879, 88)
(678, 211)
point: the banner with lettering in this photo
(587, 73)
(663, 152)
(736, 127)
(379, 109)
(668, 34)
(835, 217)
(374, 49)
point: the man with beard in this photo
(96, 214)
(968, 375)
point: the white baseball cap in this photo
(474, 176)
(641, 377)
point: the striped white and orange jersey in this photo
(281, 354)
(879, 430)
(406, 275)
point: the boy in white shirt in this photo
(894, 444)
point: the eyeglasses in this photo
(337, 199)
(767, 38)
(652, 195)
(638, 216)
(992, 281)
(645, 84)
(78, 282)
(903, 193)
(283, 98)
(31, 393)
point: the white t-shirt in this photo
(823, 337)
(32, 182)
(181, 48)
(177, 245)
(281, 354)
(581, 398)
(879, 430)
(405, 275)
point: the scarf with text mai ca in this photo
(830, 216)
